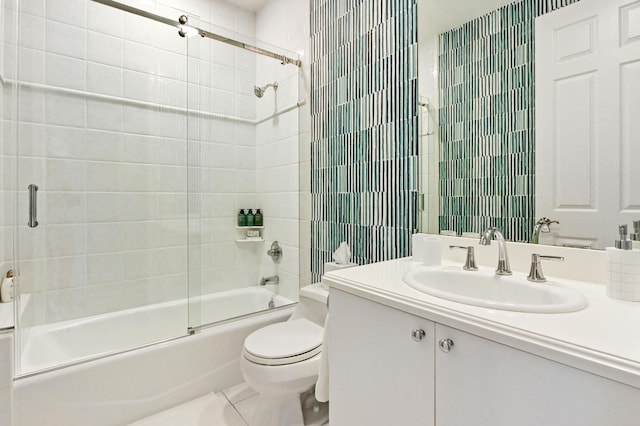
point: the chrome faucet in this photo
(274, 279)
(535, 273)
(470, 263)
(503, 259)
(542, 225)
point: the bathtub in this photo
(127, 386)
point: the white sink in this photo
(485, 288)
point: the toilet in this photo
(281, 361)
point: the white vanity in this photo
(399, 356)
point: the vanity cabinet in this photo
(480, 382)
(381, 376)
(381, 365)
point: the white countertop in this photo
(6, 315)
(603, 338)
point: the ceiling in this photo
(251, 5)
(442, 15)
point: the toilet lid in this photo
(284, 343)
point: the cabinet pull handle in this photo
(446, 345)
(33, 206)
(418, 335)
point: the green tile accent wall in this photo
(487, 134)
(364, 129)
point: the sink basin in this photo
(486, 289)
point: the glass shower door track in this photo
(181, 24)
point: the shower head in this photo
(259, 91)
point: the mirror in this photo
(499, 150)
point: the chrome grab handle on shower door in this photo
(33, 206)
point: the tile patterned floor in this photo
(232, 407)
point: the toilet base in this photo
(292, 410)
(314, 413)
(278, 411)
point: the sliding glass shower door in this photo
(140, 135)
(101, 216)
(243, 155)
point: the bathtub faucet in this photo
(274, 279)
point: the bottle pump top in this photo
(635, 236)
(623, 243)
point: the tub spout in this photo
(274, 279)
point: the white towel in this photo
(322, 385)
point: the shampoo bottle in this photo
(250, 218)
(258, 218)
(242, 218)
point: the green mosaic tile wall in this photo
(364, 129)
(487, 134)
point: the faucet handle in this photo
(535, 273)
(470, 263)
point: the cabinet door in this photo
(483, 383)
(379, 375)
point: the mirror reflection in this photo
(525, 111)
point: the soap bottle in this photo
(6, 288)
(242, 218)
(622, 266)
(635, 236)
(258, 218)
(624, 243)
(250, 218)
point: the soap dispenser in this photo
(635, 236)
(622, 266)
(258, 218)
(7, 287)
(250, 218)
(242, 218)
(624, 243)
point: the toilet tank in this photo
(312, 304)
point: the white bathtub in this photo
(128, 386)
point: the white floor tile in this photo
(247, 407)
(208, 410)
(239, 392)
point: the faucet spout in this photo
(274, 279)
(503, 258)
(541, 225)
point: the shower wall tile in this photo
(107, 50)
(67, 11)
(104, 20)
(487, 156)
(281, 23)
(364, 137)
(65, 40)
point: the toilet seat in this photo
(284, 343)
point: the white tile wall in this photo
(283, 143)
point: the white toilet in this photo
(281, 361)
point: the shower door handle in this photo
(33, 206)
